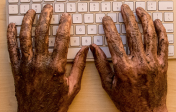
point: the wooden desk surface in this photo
(91, 98)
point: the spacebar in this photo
(73, 51)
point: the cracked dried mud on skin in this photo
(41, 84)
(139, 81)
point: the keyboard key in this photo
(18, 31)
(55, 30)
(94, 7)
(140, 4)
(169, 27)
(157, 15)
(120, 18)
(36, 0)
(72, 52)
(55, 19)
(118, 27)
(59, 7)
(24, 8)
(88, 18)
(16, 19)
(106, 51)
(13, 9)
(101, 30)
(86, 41)
(91, 29)
(25, 0)
(77, 18)
(117, 6)
(168, 16)
(13, 1)
(170, 38)
(51, 41)
(140, 28)
(113, 16)
(171, 50)
(80, 29)
(74, 41)
(49, 0)
(61, 0)
(106, 41)
(137, 19)
(71, 30)
(37, 7)
(71, 7)
(82, 7)
(105, 6)
(90, 55)
(99, 18)
(151, 6)
(123, 39)
(123, 28)
(131, 5)
(166, 5)
(98, 40)
(33, 31)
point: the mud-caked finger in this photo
(42, 31)
(103, 67)
(150, 37)
(133, 33)
(25, 36)
(162, 42)
(77, 70)
(61, 45)
(114, 41)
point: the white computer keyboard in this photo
(87, 20)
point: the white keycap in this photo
(137, 19)
(82, 7)
(98, 40)
(123, 39)
(99, 18)
(150, 14)
(168, 16)
(140, 4)
(24, 8)
(123, 28)
(171, 50)
(37, 7)
(106, 51)
(33, 31)
(60, 0)
(157, 16)
(55, 19)
(55, 30)
(113, 16)
(86, 41)
(13, 9)
(13, 1)
(59, 7)
(77, 18)
(88, 18)
(51, 41)
(131, 5)
(49, 0)
(90, 55)
(151, 6)
(91, 29)
(169, 27)
(120, 18)
(71, 30)
(50, 50)
(170, 38)
(36, 0)
(49, 31)
(74, 41)
(25, 0)
(94, 7)
(16, 19)
(106, 41)
(117, 6)
(80, 29)
(18, 31)
(118, 27)
(166, 5)
(140, 28)
(105, 6)
(100, 29)
(71, 7)
(72, 52)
